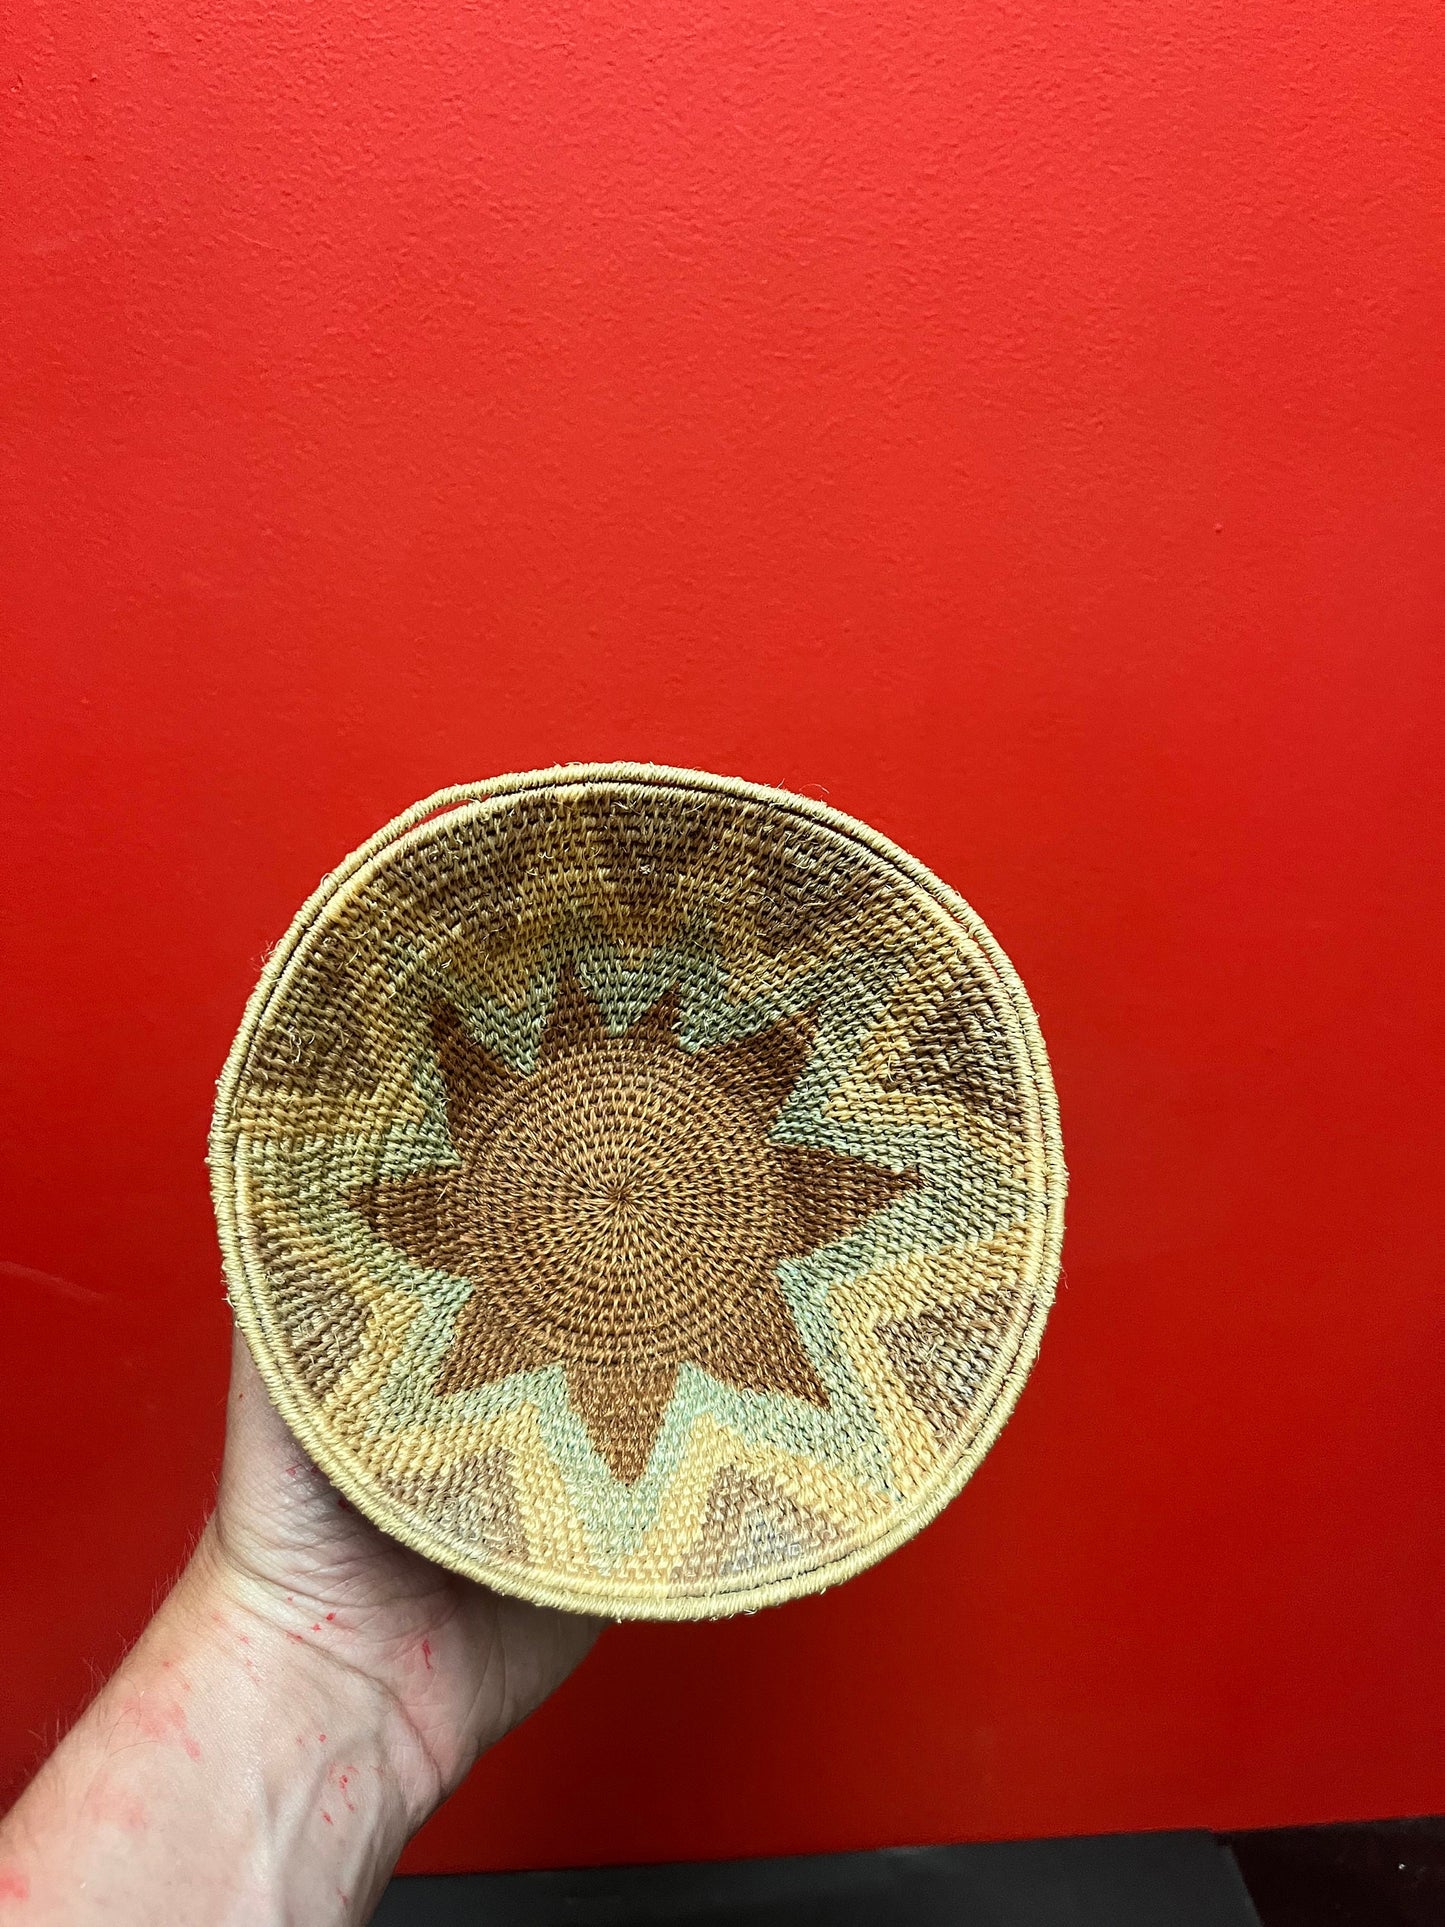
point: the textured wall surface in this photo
(1021, 425)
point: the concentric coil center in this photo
(620, 1201)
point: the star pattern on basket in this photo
(621, 1210)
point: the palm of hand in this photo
(462, 1664)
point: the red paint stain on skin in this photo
(117, 1808)
(316, 1628)
(342, 1783)
(342, 1506)
(330, 1616)
(322, 1738)
(163, 1722)
(327, 1818)
(426, 1653)
(13, 1885)
(297, 1637)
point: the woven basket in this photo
(641, 1191)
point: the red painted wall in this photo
(1021, 424)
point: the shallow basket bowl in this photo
(641, 1191)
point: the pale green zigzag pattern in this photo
(949, 1209)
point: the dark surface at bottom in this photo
(1129, 1880)
(1385, 1873)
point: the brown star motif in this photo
(621, 1211)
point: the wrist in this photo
(230, 1772)
(295, 1661)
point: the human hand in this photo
(305, 1697)
(461, 1665)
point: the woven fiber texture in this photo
(641, 1191)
